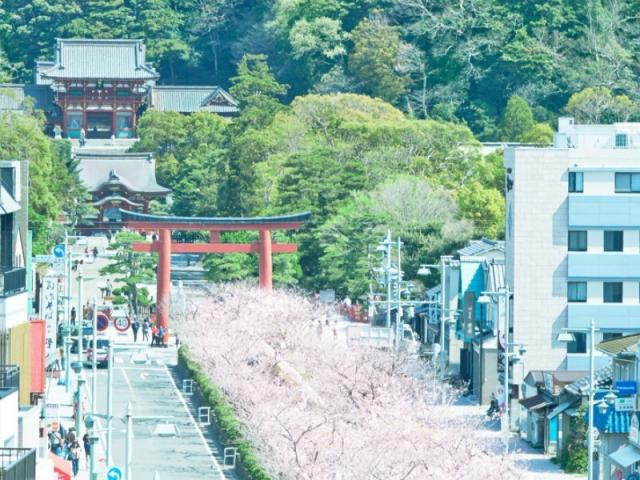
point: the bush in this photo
(574, 456)
(229, 424)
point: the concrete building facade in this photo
(573, 240)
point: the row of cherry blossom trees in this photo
(316, 407)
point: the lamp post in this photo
(445, 260)
(485, 298)
(77, 368)
(89, 422)
(567, 336)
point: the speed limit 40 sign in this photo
(122, 324)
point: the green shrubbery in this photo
(574, 457)
(228, 422)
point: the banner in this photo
(49, 313)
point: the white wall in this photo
(29, 427)
(9, 420)
(13, 310)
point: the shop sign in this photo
(625, 404)
(49, 312)
(634, 430)
(626, 387)
(469, 306)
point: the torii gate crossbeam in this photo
(264, 247)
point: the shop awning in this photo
(535, 403)
(61, 466)
(625, 456)
(559, 409)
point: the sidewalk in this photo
(59, 408)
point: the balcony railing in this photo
(9, 376)
(17, 463)
(13, 281)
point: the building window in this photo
(621, 140)
(576, 182)
(579, 343)
(613, 241)
(612, 292)
(578, 241)
(627, 182)
(577, 291)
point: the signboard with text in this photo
(625, 404)
(49, 312)
(626, 387)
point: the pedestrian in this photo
(87, 447)
(177, 341)
(134, 327)
(154, 335)
(74, 457)
(145, 330)
(161, 336)
(62, 358)
(83, 137)
(95, 252)
(73, 316)
(109, 288)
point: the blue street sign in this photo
(114, 473)
(58, 250)
(626, 387)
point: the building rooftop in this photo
(189, 99)
(135, 171)
(628, 343)
(603, 377)
(98, 59)
(13, 95)
(480, 247)
(621, 135)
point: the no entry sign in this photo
(102, 321)
(122, 324)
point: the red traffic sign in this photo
(102, 321)
(122, 324)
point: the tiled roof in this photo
(188, 99)
(12, 96)
(628, 343)
(496, 275)
(478, 247)
(603, 377)
(99, 59)
(135, 171)
(535, 403)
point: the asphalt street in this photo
(152, 392)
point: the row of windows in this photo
(613, 241)
(625, 182)
(611, 292)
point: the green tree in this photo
(373, 61)
(599, 105)
(132, 268)
(517, 120)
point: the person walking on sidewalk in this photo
(86, 443)
(134, 327)
(145, 330)
(161, 336)
(74, 457)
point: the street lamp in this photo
(566, 336)
(89, 423)
(486, 298)
(77, 368)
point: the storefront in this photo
(625, 461)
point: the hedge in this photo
(229, 425)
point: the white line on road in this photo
(193, 421)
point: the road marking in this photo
(195, 425)
(126, 379)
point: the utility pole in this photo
(67, 311)
(80, 318)
(399, 326)
(443, 322)
(388, 254)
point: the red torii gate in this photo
(264, 247)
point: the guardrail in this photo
(17, 463)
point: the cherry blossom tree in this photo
(318, 407)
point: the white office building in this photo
(573, 240)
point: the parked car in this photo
(102, 353)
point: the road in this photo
(152, 392)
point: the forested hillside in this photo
(451, 60)
(366, 112)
